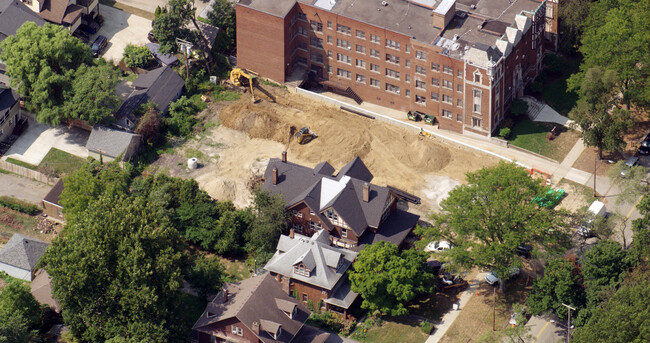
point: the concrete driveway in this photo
(38, 139)
(150, 5)
(23, 188)
(121, 28)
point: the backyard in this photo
(531, 136)
(554, 93)
(12, 222)
(56, 162)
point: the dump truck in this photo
(304, 135)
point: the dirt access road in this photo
(250, 133)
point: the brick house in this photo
(352, 210)
(313, 271)
(253, 310)
(459, 60)
(68, 13)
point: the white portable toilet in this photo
(192, 163)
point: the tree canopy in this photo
(222, 16)
(490, 216)
(137, 56)
(387, 279)
(561, 283)
(270, 220)
(20, 313)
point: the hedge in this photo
(18, 205)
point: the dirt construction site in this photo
(247, 134)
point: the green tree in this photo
(601, 121)
(137, 56)
(561, 283)
(205, 274)
(182, 119)
(34, 49)
(117, 271)
(640, 246)
(93, 98)
(387, 279)
(490, 216)
(623, 318)
(16, 298)
(14, 329)
(222, 16)
(270, 220)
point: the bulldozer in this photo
(239, 77)
(304, 135)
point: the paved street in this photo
(22, 188)
(546, 329)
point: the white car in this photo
(438, 246)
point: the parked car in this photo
(151, 38)
(99, 45)
(438, 246)
(524, 250)
(596, 209)
(630, 163)
(644, 149)
(90, 28)
(493, 279)
(83, 36)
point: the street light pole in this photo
(568, 325)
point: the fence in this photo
(28, 173)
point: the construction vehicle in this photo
(241, 78)
(304, 136)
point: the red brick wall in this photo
(259, 46)
(314, 293)
(224, 328)
(303, 217)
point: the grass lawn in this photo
(394, 331)
(60, 162)
(21, 163)
(237, 270)
(555, 93)
(531, 136)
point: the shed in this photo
(107, 144)
(50, 202)
(21, 255)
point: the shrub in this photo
(137, 56)
(507, 122)
(18, 205)
(504, 132)
(181, 119)
(426, 327)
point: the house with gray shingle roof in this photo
(253, 310)
(107, 144)
(353, 211)
(21, 255)
(312, 270)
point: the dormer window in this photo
(292, 313)
(344, 233)
(331, 215)
(300, 269)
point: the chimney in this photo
(366, 192)
(225, 294)
(291, 233)
(275, 176)
(284, 156)
(256, 327)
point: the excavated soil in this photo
(251, 133)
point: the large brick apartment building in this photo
(462, 61)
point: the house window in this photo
(375, 53)
(477, 101)
(420, 84)
(408, 64)
(459, 102)
(459, 73)
(392, 88)
(392, 73)
(361, 34)
(305, 298)
(375, 68)
(316, 26)
(331, 215)
(420, 100)
(329, 53)
(302, 31)
(407, 78)
(459, 118)
(237, 330)
(302, 46)
(420, 70)
(477, 77)
(420, 55)
(318, 58)
(435, 66)
(311, 212)
(343, 58)
(301, 270)
(408, 93)
(446, 98)
(374, 83)
(447, 114)
(329, 69)
(344, 233)
(434, 96)
(361, 49)
(361, 63)
(459, 88)
(392, 44)
(447, 84)
(476, 121)
(302, 16)
(297, 214)
(329, 39)
(435, 82)
(343, 29)
(342, 43)
(297, 227)
(392, 59)
(329, 25)
(361, 78)
(448, 70)
(375, 39)
(344, 73)
(408, 49)
(316, 42)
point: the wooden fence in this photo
(28, 173)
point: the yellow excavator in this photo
(239, 77)
(304, 136)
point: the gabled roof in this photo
(160, 85)
(58, 11)
(318, 252)
(109, 142)
(320, 191)
(14, 14)
(53, 195)
(255, 301)
(23, 252)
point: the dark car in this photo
(99, 45)
(524, 250)
(644, 149)
(91, 28)
(83, 36)
(630, 163)
(151, 38)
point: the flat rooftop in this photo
(413, 18)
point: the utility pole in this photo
(187, 48)
(568, 325)
(494, 310)
(595, 164)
